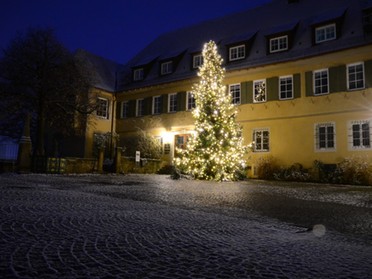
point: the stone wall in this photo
(81, 165)
(128, 165)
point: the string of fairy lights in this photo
(216, 150)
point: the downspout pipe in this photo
(113, 116)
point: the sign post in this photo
(138, 157)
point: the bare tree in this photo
(45, 79)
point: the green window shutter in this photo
(118, 110)
(132, 108)
(368, 73)
(273, 89)
(249, 91)
(148, 105)
(309, 84)
(165, 103)
(244, 92)
(181, 101)
(161, 103)
(297, 85)
(337, 79)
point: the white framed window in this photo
(355, 76)
(197, 61)
(320, 82)
(360, 135)
(325, 33)
(140, 107)
(237, 52)
(190, 101)
(138, 74)
(234, 90)
(102, 108)
(279, 44)
(259, 91)
(156, 105)
(261, 139)
(172, 102)
(124, 112)
(166, 67)
(286, 87)
(325, 137)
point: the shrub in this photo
(325, 173)
(354, 170)
(148, 145)
(267, 167)
(296, 172)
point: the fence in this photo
(8, 149)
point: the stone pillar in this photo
(101, 157)
(117, 163)
(25, 148)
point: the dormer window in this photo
(237, 52)
(280, 38)
(279, 44)
(197, 61)
(166, 68)
(367, 20)
(138, 74)
(325, 33)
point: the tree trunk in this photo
(40, 129)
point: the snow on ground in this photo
(149, 226)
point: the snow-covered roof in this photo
(254, 25)
(105, 70)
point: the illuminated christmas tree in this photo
(216, 150)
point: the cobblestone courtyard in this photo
(149, 226)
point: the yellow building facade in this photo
(101, 122)
(302, 83)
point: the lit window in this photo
(361, 136)
(237, 52)
(355, 76)
(140, 107)
(102, 108)
(138, 74)
(325, 136)
(156, 105)
(172, 102)
(166, 68)
(259, 91)
(321, 82)
(197, 61)
(235, 93)
(325, 33)
(190, 101)
(278, 44)
(286, 88)
(261, 140)
(124, 109)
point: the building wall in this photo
(98, 124)
(291, 123)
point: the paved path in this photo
(153, 227)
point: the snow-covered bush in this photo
(296, 172)
(354, 170)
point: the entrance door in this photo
(180, 141)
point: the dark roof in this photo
(105, 70)
(255, 24)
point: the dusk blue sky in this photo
(114, 29)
